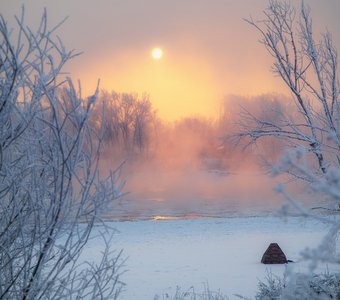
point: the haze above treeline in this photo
(209, 50)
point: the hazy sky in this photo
(209, 51)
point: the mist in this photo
(191, 167)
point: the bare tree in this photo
(128, 120)
(311, 129)
(309, 70)
(51, 193)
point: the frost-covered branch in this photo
(310, 130)
(309, 69)
(51, 193)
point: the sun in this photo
(157, 53)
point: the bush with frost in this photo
(51, 193)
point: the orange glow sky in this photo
(209, 51)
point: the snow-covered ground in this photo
(222, 252)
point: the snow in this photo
(224, 253)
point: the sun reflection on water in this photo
(182, 217)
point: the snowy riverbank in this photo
(223, 252)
